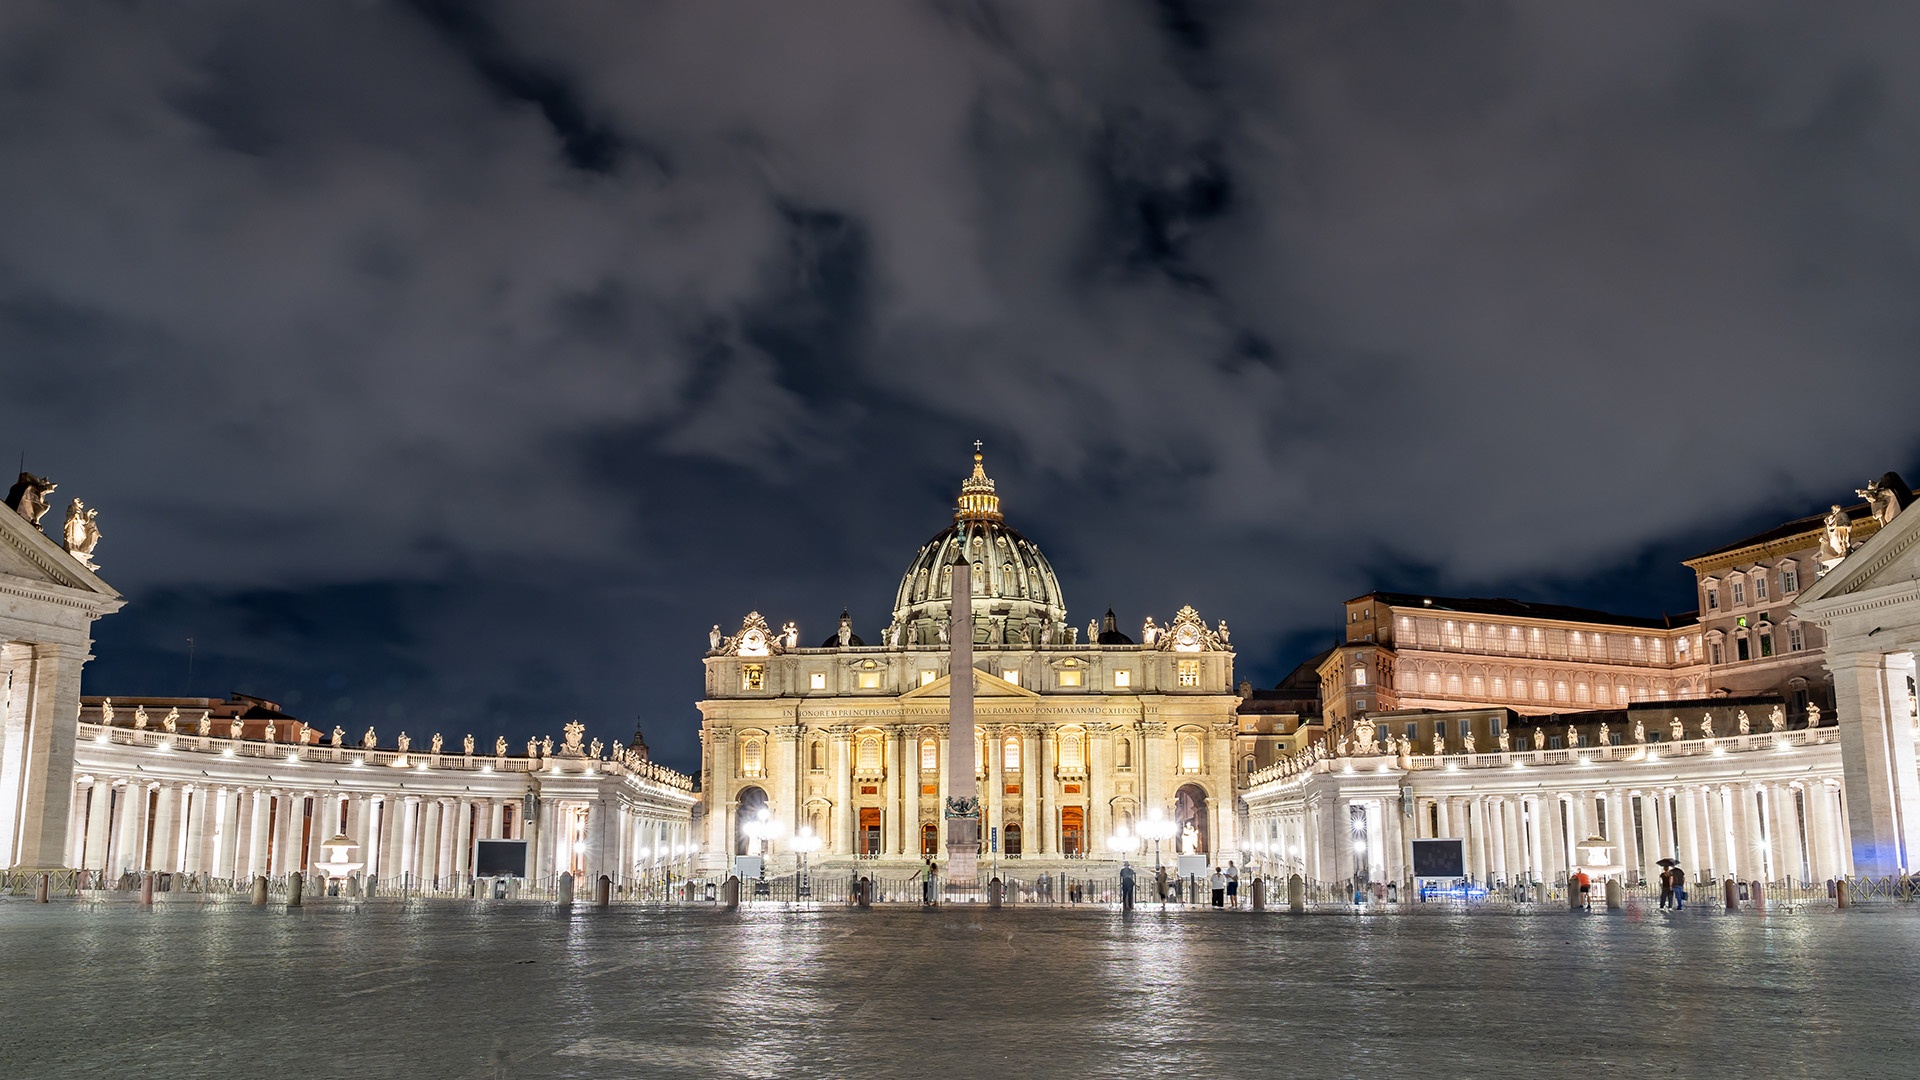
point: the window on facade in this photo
(817, 757)
(1714, 651)
(1072, 753)
(1012, 675)
(1789, 580)
(1738, 589)
(1795, 639)
(1713, 599)
(753, 676)
(1440, 730)
(1540, 689)
(1759, 586)
(1123, 754)
(1740, 649)
(818, 680)
(1070, 678)
(1190, 753)
(1554, 743)
(869, 680)
(1189, 672)
(752, 757)
(1359, 676)
(1560, 690)
(1413, 731)
(1123, 678)
(929, 755)
(1766, 644)
(926, 678)
(1010, 754)
(870, 754)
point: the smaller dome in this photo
(1110, 631)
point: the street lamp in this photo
(760, 829)
(1156, 827)
(806, 843)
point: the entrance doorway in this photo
(929, 839)
(753, 800)
(1190, 821)
(1011, 840)
(869, 842)
(1073, 831)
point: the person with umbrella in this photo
(1673, 882)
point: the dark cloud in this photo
(464, 361)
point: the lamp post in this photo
(1156, 827)
(805, 842)
(760, 829)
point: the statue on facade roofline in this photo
(1883, 503)
(593, 750)
(1746, 726)
(171, 721)
(1149, 633)
(206, 721)
(1539, 738)
(1813, 715)
(499, 746)
(403, 742)
(573, 731)
(1606, 735)
(1679, 729)
(1573, 737)
(713, 638)
(1777, 719)
(235, 728)
(1093, 632)
(140, 718)
(546, 746)
(1504, 743)
(533, 747)
(80, 535)
(368, 741)
(1639, 731)
(1837, 536)
(1466, 742)
(106, 712)
(29, 497)
(433, 746)
(339, 736)
(466, 744)
(1439, 743)
(789, 635)
(1706, 726)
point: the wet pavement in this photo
(458, 990)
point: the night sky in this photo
(454, 366)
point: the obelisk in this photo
(963, 795)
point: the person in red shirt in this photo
(1581, 879)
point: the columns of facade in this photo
(1511, 861)
(908, 810)
(1095, 795)
(365, 819)
(1712, 852)
(893, 821)
(393, 857)
(257, 833)
(38, 730)
(840, 759)
(193, 828)
(1690, 824)
(465, 813)
(1752, 833)
(1031, 840)
(99, 816)
(1821, 843)
(1621, 831)
(131, 806)
(1557, 814)
(1787, 832)
(1045, 762)
(75, 855)
(1877, 759)
(1476, 823)
(1537, 863)
(1443, 817)
(427, 861)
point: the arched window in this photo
(1012, 839)
(1123, 758)
(1010, 754)
(752, 761)
(1071, 754)
(1190, 753)
(870, 754)
(817, 756)
(929, 839)
(929, 755)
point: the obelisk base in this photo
(963, 850)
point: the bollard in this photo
(1732, 893)
(603, 892)
(864, 891)
(295, 886)
(566, 890)
(352, 888)
(1842, 895)
(996, 892)
(259, 890)
(1297, 894)
(1616, 895)
(730, 893)
(1759, 894)
(43, 889)
(1257, 896)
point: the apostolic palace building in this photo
(1769, 736)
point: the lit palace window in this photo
(1759, 586)
(1123, 754)
(870, 754)
(926, 678)
(1071, 754)
(1359, 676)
(1713, 599)
(929, 755)
(1123, 678)
(1789, 579)
(1190, 753)
(1189, 673)
(869, 680)
(818, 680)
(1795, 640)
(753, 676)
(1010, 754)
(751, 757)
(1070, 678)
(1011, 675)
(1739, 591)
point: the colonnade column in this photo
(1820, 839)
(99, 816)
(1787, 830)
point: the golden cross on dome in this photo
(976, 446)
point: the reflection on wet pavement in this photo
(437, 990)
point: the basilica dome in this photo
(1016, 597)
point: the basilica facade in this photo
(1079, 731)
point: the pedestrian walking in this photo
(1233, 884)
(1160, 883)
(1219, 885)
(1585, 883)
(926, 885)
(1679, 887)
(1666, 887)
(1127, 876)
